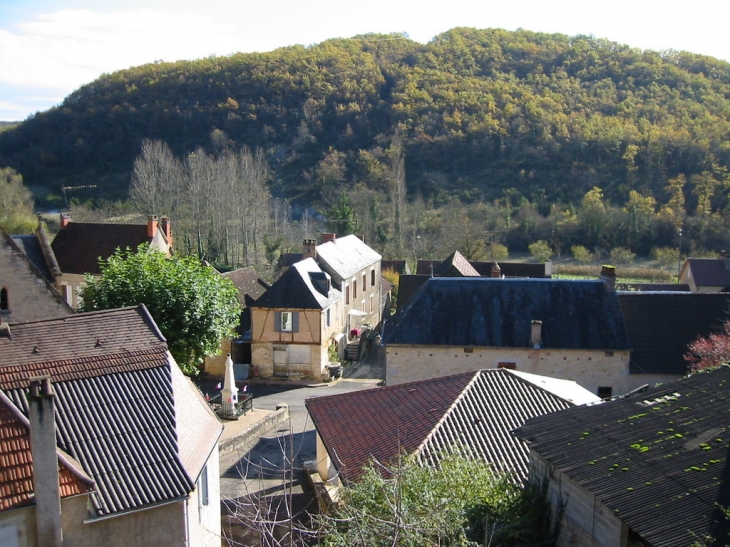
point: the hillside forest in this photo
(480, 140)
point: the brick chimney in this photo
(608, 276)
(496, 270)
(166, 229)
(536, 334)
(46, 490)
(328, 237)
(309, 248)
(65, 220)
(151, 226)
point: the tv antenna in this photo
(65, 189)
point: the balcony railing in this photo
(232, 411)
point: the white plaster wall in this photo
(22, 521)
(205, 520)
(590, 369)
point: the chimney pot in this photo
(151, 226)
(608, 276)
(65, 219)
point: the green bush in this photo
(581, 254)
(497, 251)
(666, 256)
(621, 256)
(540, 250)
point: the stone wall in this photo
(591, 369)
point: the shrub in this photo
(540, 250)
(666, 256)
(497, 251)
(621, 256)
(581, 254)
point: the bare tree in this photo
(157, 178)
(397, 189)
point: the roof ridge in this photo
(457, 400)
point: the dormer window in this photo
(4, 304)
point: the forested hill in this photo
(480, 113)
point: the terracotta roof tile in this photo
(475, 409)
(79, 245)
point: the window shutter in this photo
(295, 321)
(277, 321)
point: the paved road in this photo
(252, 474)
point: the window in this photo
(364, 282)
(354, 289)
(372, 277)
(287, 321)
(347, 295)
(605, 392)
(327, 321)
(204, 485)
(510, 366)
(371, 304)
(4, 299)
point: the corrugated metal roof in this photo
(16, 462)
(345, 256)
(658, 459)
(498, 313)
(121, 414)
(473, 410)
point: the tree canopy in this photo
(478, 113)
(193, 306)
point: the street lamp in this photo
(679, 257)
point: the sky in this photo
(49, 48)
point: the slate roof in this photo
(474, 411)
(661, 325)
(118, 404)
(345, 256)
(249, 283)
(30, 296)
(16, 462)
(79, 245)
(297, 289)
(657, 459)
(508, 269)
(709, 272)
(490, 312)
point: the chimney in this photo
(151, 226)
(536, 334)
(166, 229)
(328, 237)
(496, 270)
(608, 276)
(65, 220)
(5, 331)
(309, 248)
(47, 492)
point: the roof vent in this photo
(98, 344)
(36, 350)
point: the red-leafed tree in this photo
(706, 353)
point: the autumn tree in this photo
(709, 352)
(16, 203)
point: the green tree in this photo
(621, 256)
(193, 306)
(16, 203)
(581, 254)
(540, 250)
(460, 502)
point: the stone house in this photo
(295, 322)
(427, 418)
(78, 246)
(557, 328)
(104, 440)
(705, 274)
(25, 293)
(647, 469)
